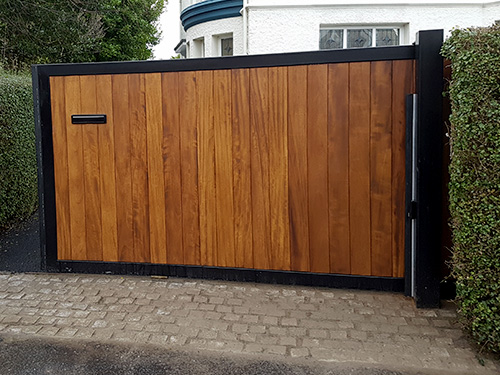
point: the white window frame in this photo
(198, 48)
(400, 27)
(217, 43)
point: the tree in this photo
(50, 31)
(46, 31)
(130, 29)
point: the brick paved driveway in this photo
(285, 321)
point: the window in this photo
(222, 45)
(226, 45)
(360, 37)
(198, 48)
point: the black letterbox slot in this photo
(88, 119)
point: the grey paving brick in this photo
(224, 309)
(311, 343)
(157, 327)
(216, 300)
(288, 341)
(253, 348)
(99, 324)
(10, 319)
(48, 331)
(29, 320)
(11, 311)
(289, 322)
(157, 338)
(134, 326)
(280, 331)
(239, 328)
(207, 334)
(81, 314)
(206, 307)
(95, 315)
(318, 333)
(67, 332)
(257, 329)
(328, 325)
(227, 336)
(268, 340)
(30, 330)
(270, 320)
(177, 340)
(297, 331)
(219, 325)
(275, 349)
(231, 317)
(200, 299)
(248, 337)
(299, 352)
(298, 314)
(84, 333)
(251, 319)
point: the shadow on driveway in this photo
(61, 357)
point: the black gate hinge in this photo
(412, 210)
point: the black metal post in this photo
(429, 167)
(45, 164)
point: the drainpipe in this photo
(244, 13)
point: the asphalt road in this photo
(44, 356)
(20, 247)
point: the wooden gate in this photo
(281, 162)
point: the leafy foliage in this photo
(18, 177)
(475, 178)
(130, 29)
(52, 31)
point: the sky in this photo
(169, 24)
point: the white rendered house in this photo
(240, 27)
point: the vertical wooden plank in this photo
(241, 168)
(381, 167)
(189, 167)
(206, 164)
(402, 79)
(156, 181)
(139, 166)
(75, 169)
(278, 168)
(359, 168)
(123, 174)
(297, 168)
(172, 168)
(59, 141)
(90, 134)
(107, 170)
(317, 154)
(338, 167)
(224, 168)
(259, 104)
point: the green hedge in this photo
(18, 178)
(475, 178)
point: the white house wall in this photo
(208, 30)
(276, 26)
(491, 13)
(274, 30)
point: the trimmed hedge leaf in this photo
(475, 178)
